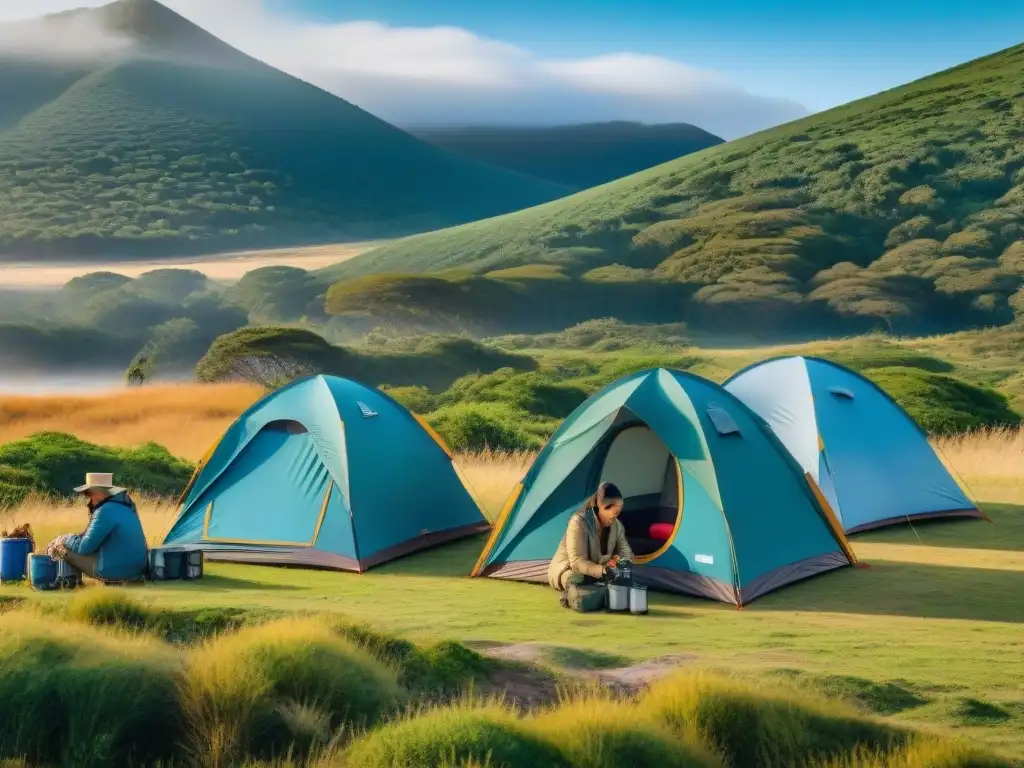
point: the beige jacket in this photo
(580, 548)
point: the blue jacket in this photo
(115, 534)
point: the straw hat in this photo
(99, 481)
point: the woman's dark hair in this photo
(605, 492)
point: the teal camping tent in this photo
(324, 472)
(714, 505)
(869, 457)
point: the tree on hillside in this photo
(268, 356)
(139, 371)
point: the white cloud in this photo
(446, 75)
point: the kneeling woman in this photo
(594, 541)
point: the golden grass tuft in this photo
(291, 682)
(989, 462)
(923, 752)
(753, 724)
(596, 731)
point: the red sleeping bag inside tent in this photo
(660, 531)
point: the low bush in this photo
(470, 427)
(285, 685)
(57, 462)
(752, 727)
(84, 696)
(944, 405)
(593, 732)
(440, 669)
(489, 734)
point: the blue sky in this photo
(732, 68)
(818, 53)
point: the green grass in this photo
(936, 618)
(902, 210)
(208, 149)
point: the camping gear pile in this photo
(617, 593)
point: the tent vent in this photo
(841, 392)
(367, 412)
(724, 423)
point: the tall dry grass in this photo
(51, 517)
(184, 418)
(990, 463)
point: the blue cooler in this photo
(42, 572)
(45, 573)
(14, 558)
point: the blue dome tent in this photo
(742, 517)
(871, 459)
(324, 472)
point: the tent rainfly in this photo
(870, 458)
(324, 472)
(714, 504)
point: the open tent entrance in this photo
(641, 465)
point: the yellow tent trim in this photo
(821, 444)
(498, 526)
(265, 542)
(433, 433)
(833, 521)
(642, 559)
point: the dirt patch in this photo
(527, 681)
(526, 689)
(638, 676)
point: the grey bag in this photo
(585, 597)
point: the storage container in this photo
(42, 572)
(192, 563)
(618, 597)
(68, 577)
(638, 599)
(14, 559)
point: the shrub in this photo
(751, 727)
(59, 461)
(285, 684)
(86, 697)
(597, 733)
(488, 734)
(942, 404)
(479, 426)
(437, 669)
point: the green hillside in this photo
(579, 156)
(181, 143)
(904, 210)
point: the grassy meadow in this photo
(928, 636)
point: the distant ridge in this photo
(903, 211)
(581, 156)
(147, 135)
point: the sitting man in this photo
(113, 546)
